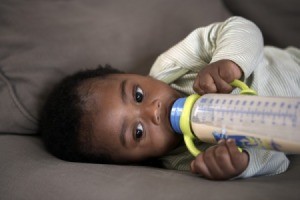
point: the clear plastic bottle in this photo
(252, 121)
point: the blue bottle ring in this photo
(176, 114)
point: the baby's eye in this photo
(139, 94)
(139, 131)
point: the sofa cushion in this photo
(42, 41)
(278, 20)
(28, 172)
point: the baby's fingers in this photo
(198, 166)
(204, 83)
(221, 85)
(239, 159)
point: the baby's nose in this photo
(154, 111)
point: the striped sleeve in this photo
(236, 39)
(264, 163)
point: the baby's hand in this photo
(216, 77)
(220, 162)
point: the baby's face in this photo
(130, 115)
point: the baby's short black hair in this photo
(60, 118)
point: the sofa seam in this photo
(15, 99)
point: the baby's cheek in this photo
(159, 142)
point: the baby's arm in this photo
(236, 39)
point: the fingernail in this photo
(221, 141)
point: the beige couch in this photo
(41, 41)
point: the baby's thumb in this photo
(192, 167)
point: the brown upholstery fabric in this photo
(278, 20)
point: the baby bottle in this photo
(252, 121)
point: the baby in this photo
(107, 116)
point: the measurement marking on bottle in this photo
(273, 113)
